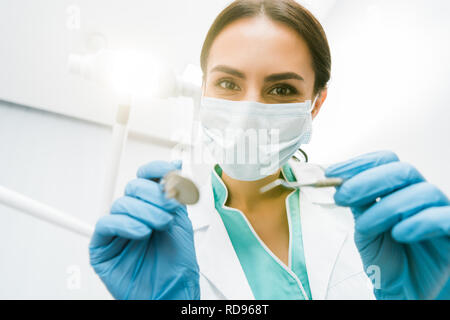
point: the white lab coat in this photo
(333, 264)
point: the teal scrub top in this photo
(269, 278)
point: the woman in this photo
(266, 65)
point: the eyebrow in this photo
(270, 78)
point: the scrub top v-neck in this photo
(269, 278)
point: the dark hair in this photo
(288, 12)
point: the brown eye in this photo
(226, 84)
(283, 91)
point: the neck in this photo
(246, 194)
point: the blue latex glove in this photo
(145, 248)
(406, 233)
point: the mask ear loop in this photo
(314, 103)
(303, 153)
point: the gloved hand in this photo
(402, 225)
(145, 248)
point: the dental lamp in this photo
(133, 75)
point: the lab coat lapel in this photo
(322, 234)
(216, 257)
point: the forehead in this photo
(260, 45)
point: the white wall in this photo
(389, 87)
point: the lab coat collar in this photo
(216, 257)
(323, 233)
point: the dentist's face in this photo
(257, 59)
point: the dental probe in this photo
(323, 183)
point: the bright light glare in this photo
(193, 74)
(132, 72)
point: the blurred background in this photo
(389, 90)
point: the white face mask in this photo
(251, 140)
